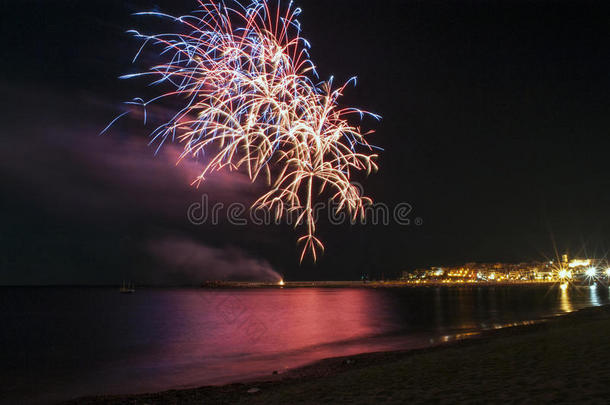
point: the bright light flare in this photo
(281, 283)
(564, 274)
(591, 272)
(563, 286)
(248, 96)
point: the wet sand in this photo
(560, 359)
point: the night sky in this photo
(496, 118)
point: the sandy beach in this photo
(560, 359)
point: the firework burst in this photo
(248, 98)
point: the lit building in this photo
(575, 270)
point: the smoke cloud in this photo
(189, 259)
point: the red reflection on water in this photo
(223, 334)
(160, 339)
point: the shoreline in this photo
(280, 388)
(212, 285)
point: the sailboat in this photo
(129, 288)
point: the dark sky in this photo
(496, 116)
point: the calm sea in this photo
(61, 343)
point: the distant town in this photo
(565, 270)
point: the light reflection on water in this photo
(71, 342)
(595, 301)
(565, 303)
